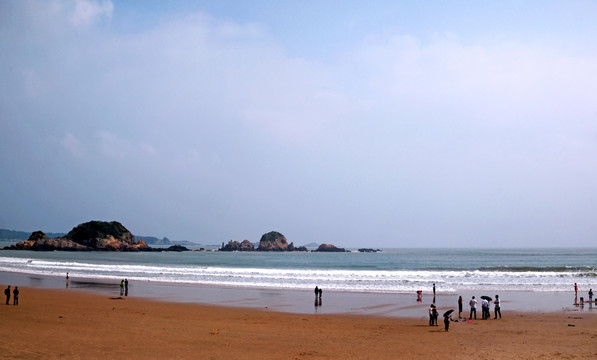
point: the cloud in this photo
(73, 145)
(211, 124)
(89, 12)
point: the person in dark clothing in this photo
(7, 293)
(15, 296)
(126, 287)
(447, 322)
(497, 308)
(320, 292)
(460, 307)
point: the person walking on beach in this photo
(121, 287)
(473, 304)
(7, 293)
(460, 307)
(497, 310)
(575, 289)
(15, 296)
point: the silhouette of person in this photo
(67, 280)
(460, 307)
(320, 292)
(447, 322)
(121, 287)
(126, 287)
(497, 308)
(7, 293)
(15, 296)
(316, 292)
(433, 289)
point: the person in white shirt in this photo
(473, 304)
(497, 309)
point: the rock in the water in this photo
(90, 236)
(329, 248)
(273, 241)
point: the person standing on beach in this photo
(316, 292)
(431, 310)
(433, 289)
(497, 309)
(575, 289)
(67, 280)
(447, 322)
(7, 293)
(121, 287)
(460, 307)
(484, 309)
(591, 295)
(126, 287)
(473, 304)
(15, 296)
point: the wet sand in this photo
(81, 324)
(302, 302)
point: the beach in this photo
(75, 323)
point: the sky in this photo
(361, 124)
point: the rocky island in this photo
(272, 241)
(90, 236)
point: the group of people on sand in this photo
(318, 293)
(582, 299)
(15, 295)
(124, 287)
(485, 307)
(433, 315)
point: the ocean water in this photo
(389, 271)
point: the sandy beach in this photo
(73, 323)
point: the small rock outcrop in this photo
(177, 248)
(90, 236)
(369, 250)
(246, 245)
(329, 248)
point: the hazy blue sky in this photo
(357, 123)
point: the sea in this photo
(388, 271)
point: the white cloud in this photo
(89, 12)
(73, 145)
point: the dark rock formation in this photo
(274, 241)
(246, 245)
(177, 248)
(329, 248)
(369, 250)
(90, 236)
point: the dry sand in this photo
(74, 324)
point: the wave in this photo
(384, 281)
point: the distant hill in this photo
(13, 235)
